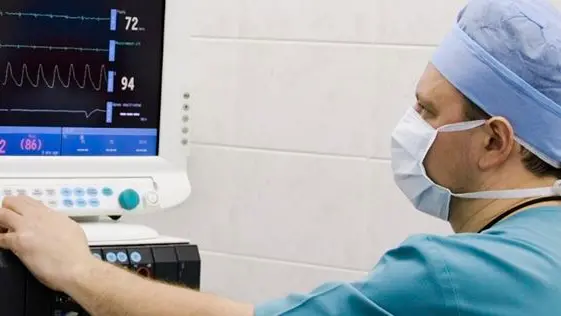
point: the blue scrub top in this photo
(512, 269)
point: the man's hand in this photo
(55, 249)
(50, 244)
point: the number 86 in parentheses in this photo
(30, 144)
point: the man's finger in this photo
(19, 204)
(10, 220)
(7, 241)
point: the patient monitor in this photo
(93, 119)
(94, 122)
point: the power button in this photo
(152, 198)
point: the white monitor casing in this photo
(164, 175)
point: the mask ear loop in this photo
(462, 126)
(554, 190)
(557, 188)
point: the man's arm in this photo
(55, 249)
(106, 290)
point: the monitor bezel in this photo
(170, 165)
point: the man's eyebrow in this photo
(425, 102)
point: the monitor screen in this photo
(80, 78)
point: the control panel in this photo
(80, 197)
(22, 295)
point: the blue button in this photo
(68, 203)
(111, 257)
(107, 191)
(79, 192)
(129, 199)
(136, 257)
(66, 192)
(81, 203)
(92, 191)
(97, 255)
(94, 203)
(122, 257)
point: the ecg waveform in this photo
(54, 16)
(56, 77)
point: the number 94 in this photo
(127, 83)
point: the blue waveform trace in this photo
(55, 48)
(69, 48)
(88, 114)
(54, 16)
(57, 77)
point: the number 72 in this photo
(132, 23)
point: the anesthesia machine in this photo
(94, 123)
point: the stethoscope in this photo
(518, 207)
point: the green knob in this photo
(129, 199)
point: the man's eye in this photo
(423, 111)
(420, 108)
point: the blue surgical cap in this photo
(505, 56)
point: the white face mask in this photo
(411, 141)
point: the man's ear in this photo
(499, 142)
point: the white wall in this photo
(293, 105)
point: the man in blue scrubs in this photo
(480, 149)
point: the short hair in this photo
(533, 163)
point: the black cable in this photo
(518, 207)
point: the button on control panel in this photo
(129, 199)
(152, 198)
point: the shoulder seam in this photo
(448, 276)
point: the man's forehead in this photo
(434, 89)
